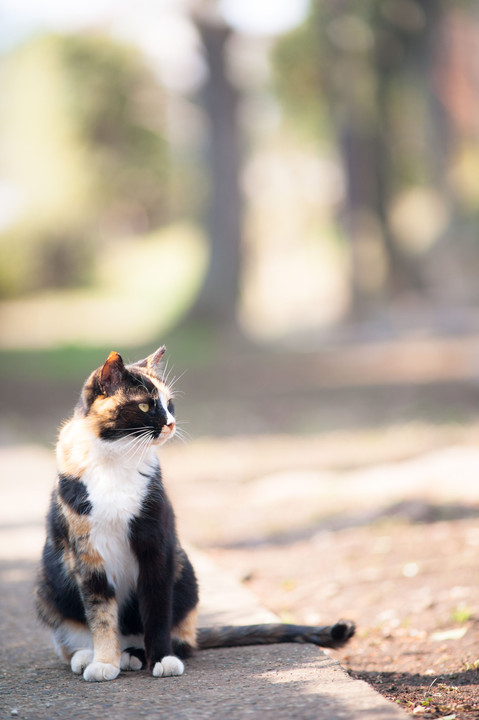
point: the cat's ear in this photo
(112, 373)
(153, 362)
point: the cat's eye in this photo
(144, 407)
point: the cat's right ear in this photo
(112, 373)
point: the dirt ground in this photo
(404, 567)
(410, 587)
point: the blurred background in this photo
(284, 192)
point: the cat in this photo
(114, 584)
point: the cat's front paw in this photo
(130, 660)
(99, 671)
(168, 666)
(80, 660)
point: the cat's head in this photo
(123, 401)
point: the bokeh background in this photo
(286, 193)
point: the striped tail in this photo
(331, 636)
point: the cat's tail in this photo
(332, 636)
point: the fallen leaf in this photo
(454, 634)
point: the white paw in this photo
(169, 665)
(130, 662)
(80, 659)
(99, 671)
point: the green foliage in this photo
(461, 614)
(82, 147)
(117, 110)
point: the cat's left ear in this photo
(112, 373)
(153, 362)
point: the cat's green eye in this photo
(144, 407)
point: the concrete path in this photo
(288, 681)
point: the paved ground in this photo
(269, 682)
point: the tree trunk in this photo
(218, 298)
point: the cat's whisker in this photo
(166, 372)
(146, 447)
(137, 454)
(176, 379)
(131, 452)
(137, 437)
(138, 441)
(135, 429)
(132, 437)
(136, 444)
(182, 434)
(177, 393)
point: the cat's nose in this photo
(168, 428)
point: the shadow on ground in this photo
(413, 511)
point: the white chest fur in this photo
(116, 490)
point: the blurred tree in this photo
(362, 65)
(217, 301)
(83, 152)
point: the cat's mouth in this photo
(166, 432)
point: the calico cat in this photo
(115, 586)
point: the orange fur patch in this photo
(80, 524)
(185, 631)
(104, 628)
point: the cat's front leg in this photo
(161, 661)
(102, 616)
(155, 594)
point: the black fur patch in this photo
(138, 653)
(160, 599)
(140, 380)
(57, 525)
(57, 587)
(97, 587)
(181, 649)
(74, 493)
(130, 620)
